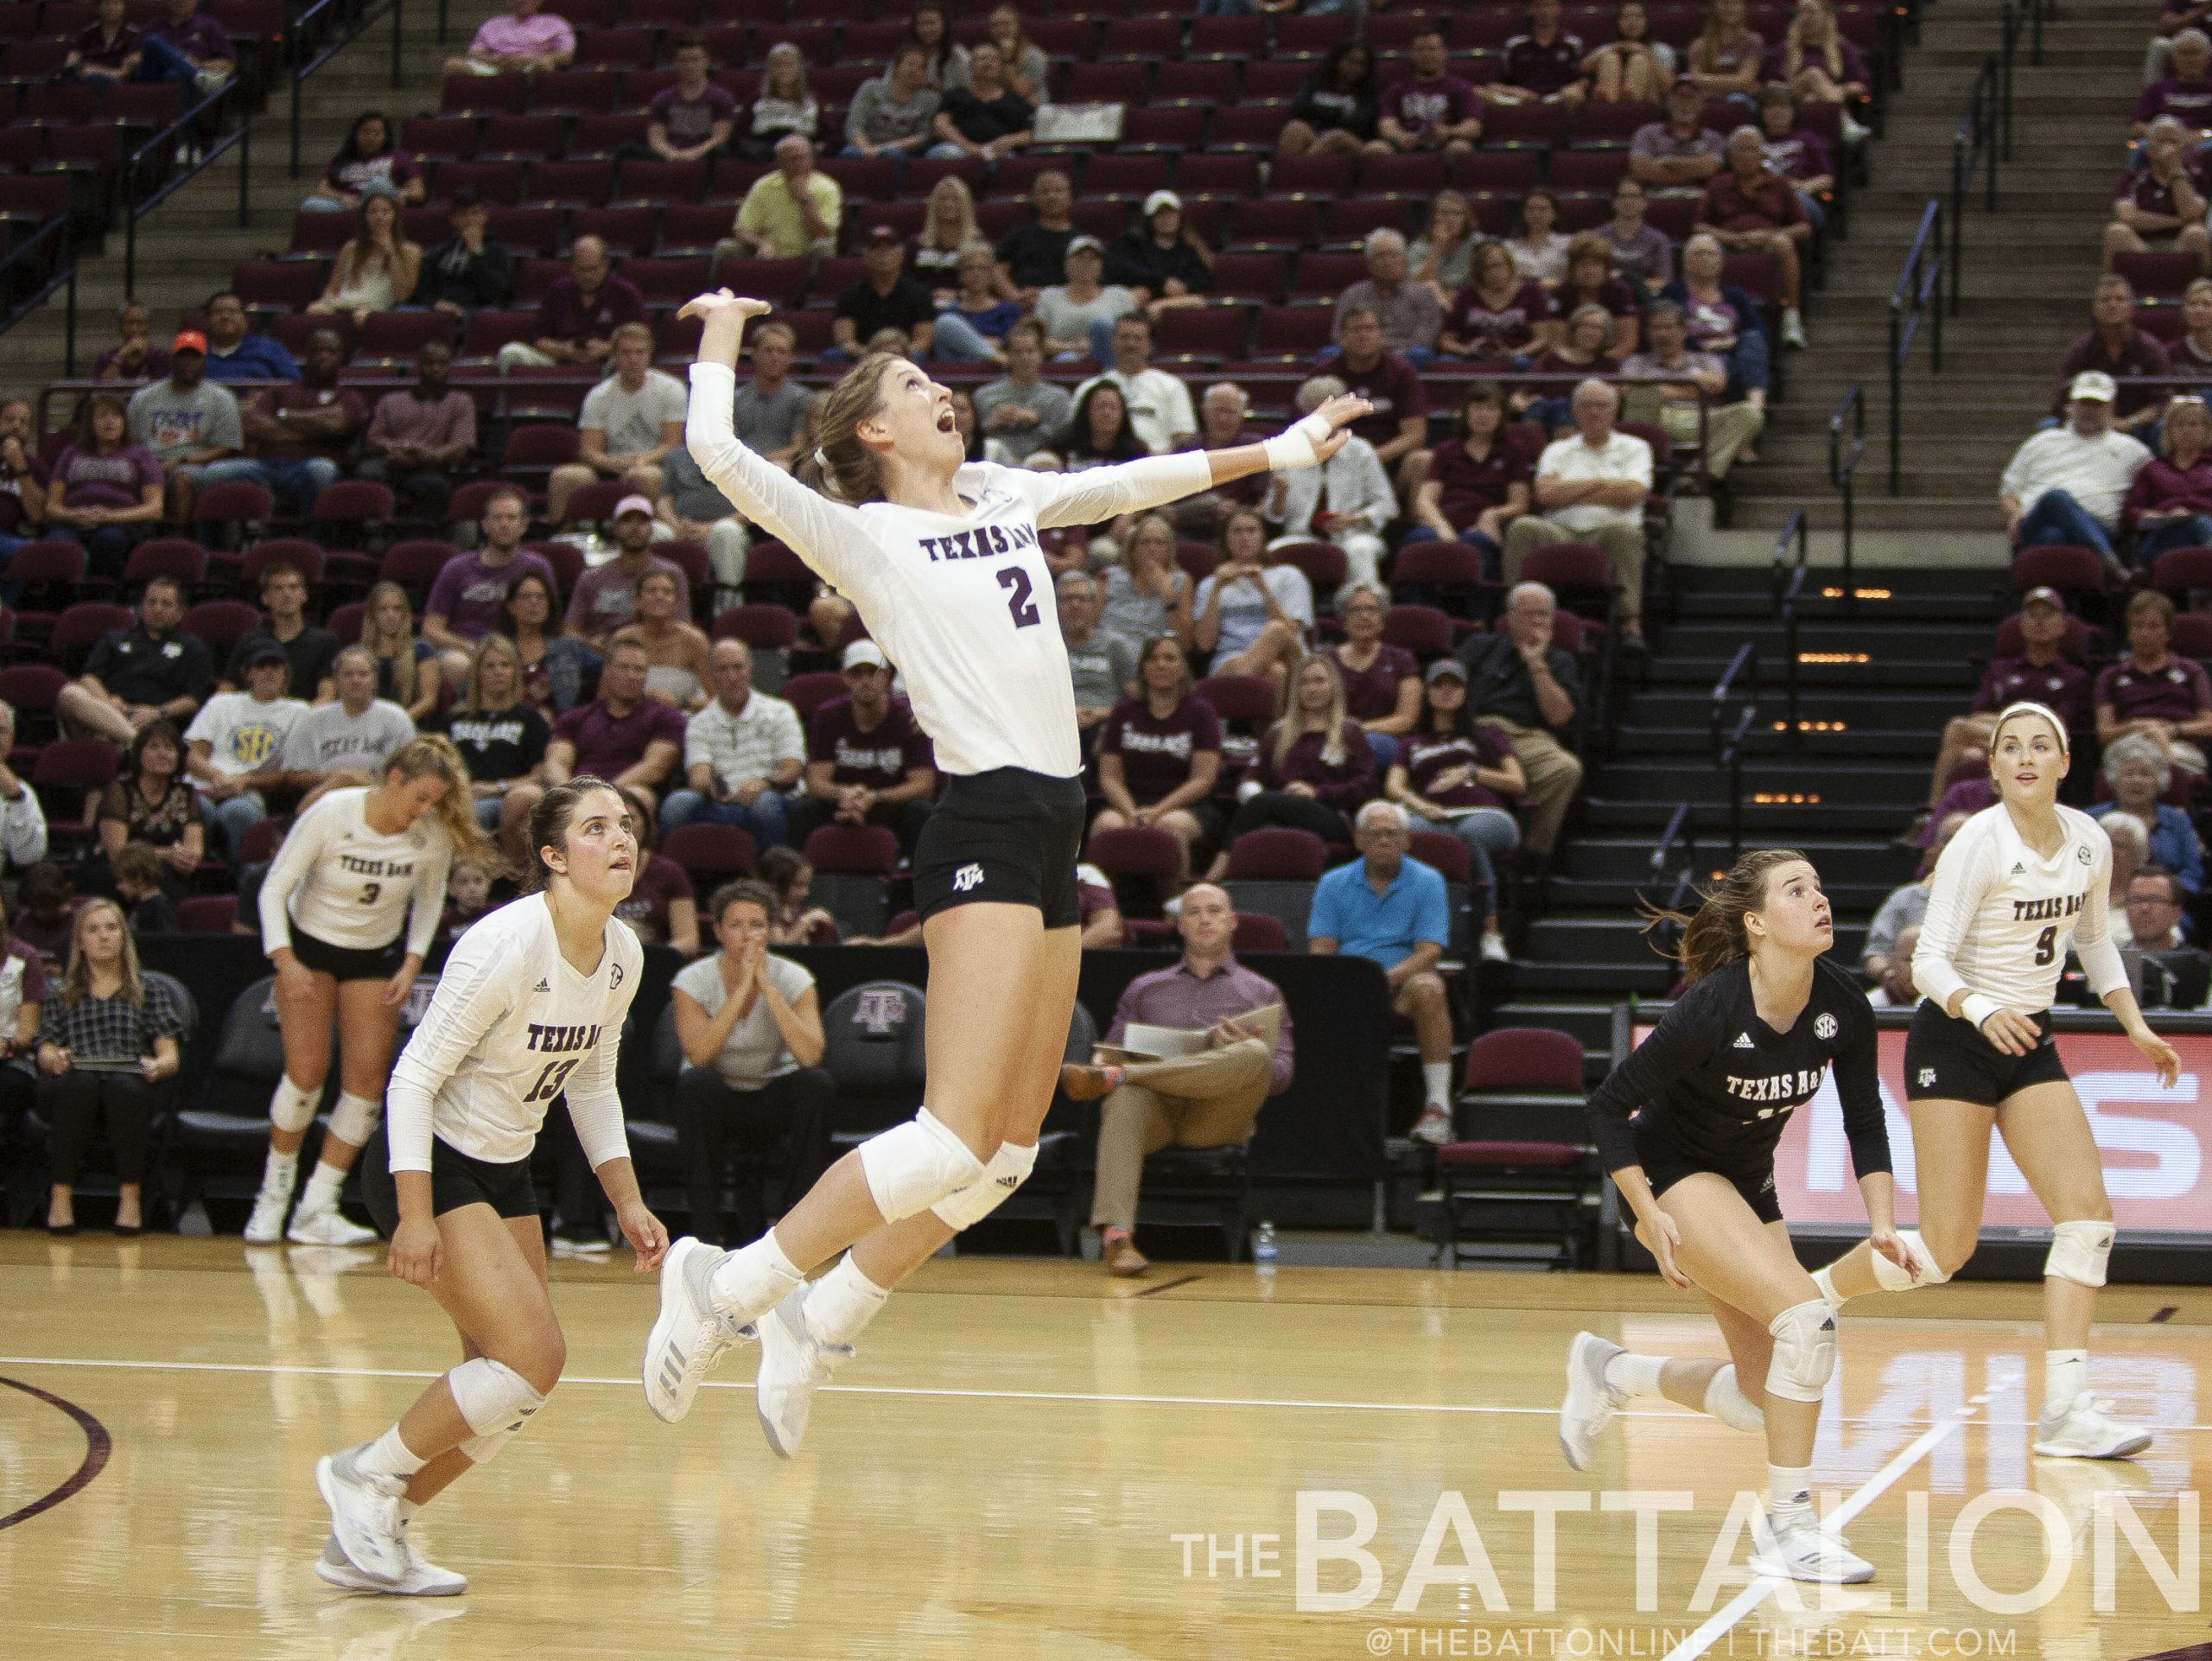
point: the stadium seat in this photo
(1246, 702)
(415, 565)
(208, 913)
(1278, 854)
(760, 626)
(711, 853)
(1141, 862)
(172, 557)
(874, 1049)
(809, 692)
(222, 624)
(1322, 561)
(1422, 630)
(2075, 572)
(1526, 1173)
(1577, 572)
(1256, 932)
(2180, 569)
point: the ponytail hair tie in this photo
(821, 458)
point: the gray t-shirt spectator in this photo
(754, 1051)
(169, 421)
(1064, 320)
(1906, 907)
(326, 738)
(1051, 405)
(695, 499)
(1410, 316)
(632, 421)
(1653, 142)
(767, 421)
(881, 118)
(1101, 668)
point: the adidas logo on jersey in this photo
(1744, 1041)
(2018, 870)
(544, 986)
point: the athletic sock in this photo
(279, 1174)
(2065, 1376)
(841, 1302)
(1436, 1076)
(752, 1279)
(323, 1188)
(1635, 1375)
(389, 1456)
(407, 1510)
(1788, 1488)
(1824, 1277)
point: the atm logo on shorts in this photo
(967, 877)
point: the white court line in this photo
(1762, 1588)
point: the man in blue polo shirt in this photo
(1388, 906)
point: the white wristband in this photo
(1299, 446)
(1977, 1008)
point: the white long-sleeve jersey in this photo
(351, 886)
(963, 605)
(511, 1026)
(2000, 918)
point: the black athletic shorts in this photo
(1010, 836)
(345, 963)
(1665, 1164)
(456, 1180)
(1947, 1059)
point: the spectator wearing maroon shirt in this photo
(2186, 94)
(868, 762)
(621, 736)
(103, 492)
(107, 49)
(2167, 699)
(185, 45)
(367, 159)
(1796, 152)
(1543, 66)
(2170, 504)
(1752, 209)
(1479, 483)
(1452, 774)
(2158, 206)
(1160, 751)
(1547, 403)
(133, 358)
(298, 433)
(1397, 420)
(1590, 281)
(2040, 674)
(577, 319)
(1431, 108)
(1381, 681)
(2115, 347)
(692, 119)
(1314, 769)
(1497, 320)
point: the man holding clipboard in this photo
(1192, 1052)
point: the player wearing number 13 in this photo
(942, 559)
(2019, 883)
(347, 910)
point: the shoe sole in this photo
(1774, 1570)
(2135, 1444)
(348, 1578)
(325, 1482)
(776, 1342)
(1574, 1377)
(675, 1305)
(355, 1236)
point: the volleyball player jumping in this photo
(941, 557)
(529, 1007)
(1688, 1125)
(2018, 883)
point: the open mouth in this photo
(945, 423)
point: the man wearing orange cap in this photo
(188, 421)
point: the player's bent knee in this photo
(291, 1108)
(1804, 1352)
(913, 1166)
(353, 1121)
(1007, 1170)
(492, 1396)
(2079, 1252)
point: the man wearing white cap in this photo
(606, 596)
(1158, 261)
(867, 762)
(2066, 484)
(741, 754)
(1160, 410)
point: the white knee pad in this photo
(353, 1121)
(1891, 1278)
(913, 1166)
(291, 1108)
(1725, 1401)
(495, 1400)
(1009, 1168)
(2078, 1252)
(1804, 1352)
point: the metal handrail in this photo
(303, 67)
(1918, 284)
(181, 130)
(1843, 469)
(54, 230)
(1728, 744)
(1789, 594)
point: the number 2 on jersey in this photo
(1015, 582)
(555, 1075)
(2046, 946)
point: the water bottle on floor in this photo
(1263, 1248)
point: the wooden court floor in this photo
(1029, 1461)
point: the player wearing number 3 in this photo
(942, 559)
(2018, 884)
(347, 910)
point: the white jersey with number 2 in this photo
(512, 1026)
(963, 605)
(2000, 917)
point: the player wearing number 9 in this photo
(941, 558)
(2018, 884)
(347, 910)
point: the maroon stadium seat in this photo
(1277, 854)
(853, 851)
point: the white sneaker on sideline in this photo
(689, 1335)
(423, 1579)
(793, 1362)
(266, 1225)
(2086, 1431)
(1803, 1551)
(592, 1247)
(1433, 1127)
(364, 1514)
(1590, 1403)
(327, 1228)
(1793, 328)
(1493, 948)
